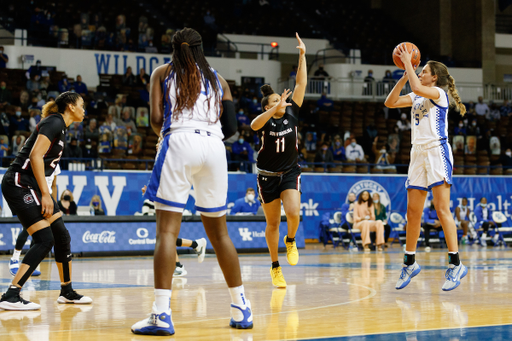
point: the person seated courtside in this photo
(246, 205)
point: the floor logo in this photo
(245, 233)
(372, 187)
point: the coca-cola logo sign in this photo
(105, 237)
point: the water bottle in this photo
(92, 210)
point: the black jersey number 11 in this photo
(280, 142)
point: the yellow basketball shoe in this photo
(277, 277)
(292, 254)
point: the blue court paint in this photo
(39, 285)
(503, 332)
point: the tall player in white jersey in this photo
(186, 113)
(431, 162)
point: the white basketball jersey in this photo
(49, 179)
(463, 212)
(203, 116)
(429, 118)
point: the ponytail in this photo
(266, 91)
(452, 90)
(49, 108)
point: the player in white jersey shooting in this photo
(431, 162)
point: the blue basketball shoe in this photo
(241, 316)
(408, 272)
(37, 271)
(453, 276)
(14, 265)
(156, 324)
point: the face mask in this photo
(255, 101)
(240, 112)
(509, 154)
(370, 74)
(38, 64)
(95, 203)
(351, 201)
(3, 87)
(67, 197)
(18, 113)
(240, 141)
(338, 143)
(474, 124)
(250, 197)
(483, 205)
(353, 144)
(461, 125)
(324, 148)
(376, 201)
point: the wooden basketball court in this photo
(331, 295)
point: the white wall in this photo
(461, 75)
(286, 44)
(89, 63)
(503, 41)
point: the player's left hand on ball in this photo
(405, 56)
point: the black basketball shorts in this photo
(271, 187)
(24, 198)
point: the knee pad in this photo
(62, 241)
(43, 243)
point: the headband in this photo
(185, 44)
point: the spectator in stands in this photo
(63, 84)
(243, 152)
(484, 220)
(127, 122)
(481, 108)
(5, 95)
(473, 129)
(142, 78)
(121, 138)
(67, 203)
(293, 73)
(5, 123)
(109, 122)
(34, 72)
(310, 142)
(17, 143)
(24, 101)
(89, 150)
(337, 149)
(382, 215)
(431, 222)
(403, 124)
(75, 131)
(91, 131)
(135, 145)
(471, 145)
(383, 158)
(368, 83)
(364, 220)
(18, 123)
(255, 106)
(354, 151)
(324, 103)
(388, 78)
(505, 109)
(242, 118)
(324, 156)
(4, 59)
(494, 113)
(4, 147)
(460, 129)
(35, 118)
(506, 159)
(128, 77)
(321, 73)
(142, 119)
(105, 145)
(246, 205)
(72, 150)
(144, 96)
(34, 104)
(80, 87)
(95, 205)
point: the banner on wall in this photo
(120, 192)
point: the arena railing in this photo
(357, 89)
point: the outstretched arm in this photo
(302, 74)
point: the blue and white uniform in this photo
(431, 155)
(191, 154)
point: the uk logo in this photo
(28, 199)
(1, 242)
(245, 234)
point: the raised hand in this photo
(302, 46)
(282, 104)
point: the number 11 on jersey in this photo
(280, 141)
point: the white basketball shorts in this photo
(430, 166)
(185, 160)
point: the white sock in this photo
(16, 254)
(410, 252)
(238, 295)
(162, 300)
(484, 235)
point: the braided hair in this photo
(190, 68)
(60, 104)
(444, 79)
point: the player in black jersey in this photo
(278, 168)
(26, 191)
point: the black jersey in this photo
(54, 128)
(279, 142)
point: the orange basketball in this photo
(411, 48)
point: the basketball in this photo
(411, 48)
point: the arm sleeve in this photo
(50, 128)
(228, 119)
